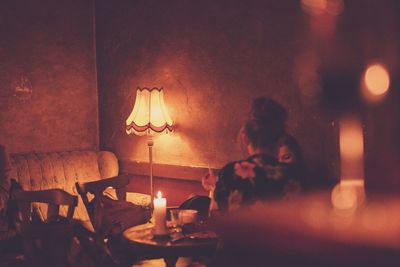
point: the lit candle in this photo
(160, 215)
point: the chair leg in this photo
(170, 261)
(96, 249)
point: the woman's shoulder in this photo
(247, 168)
(255, 161)
(274, 170)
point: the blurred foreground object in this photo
(375, 83)
(340, 91)
(347, 196)
(308, 231)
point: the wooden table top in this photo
(142, 242)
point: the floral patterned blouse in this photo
(259, 177)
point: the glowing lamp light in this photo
(351, 140)
(377, 79)
(351, 145)
(344, 199)
(320, 7)
(349, 194)
(148, 117)
(375, 83)
(314, 7)
(149, 114)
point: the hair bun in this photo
(267, 110)
(266, 123)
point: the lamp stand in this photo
(150, 144)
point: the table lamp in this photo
(148, 117)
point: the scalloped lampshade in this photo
(149, 114)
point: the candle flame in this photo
(159, 195)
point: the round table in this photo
(141, 240)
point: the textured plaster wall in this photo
(213, 57)
(50, 46)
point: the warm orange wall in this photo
(212, 59)
(52, 44)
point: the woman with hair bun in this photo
(261, 176)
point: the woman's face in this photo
(285, 155)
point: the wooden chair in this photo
(45, 243)
(105, 252)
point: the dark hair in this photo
(265, 124)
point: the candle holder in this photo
(160, 232)
(165, 235)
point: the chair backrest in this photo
(45, 243)
(97, 188)
(53, 197)
(95, 243)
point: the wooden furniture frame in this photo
(45, 243)
(105, 252)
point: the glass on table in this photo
(175, 221)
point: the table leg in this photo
(170, 261)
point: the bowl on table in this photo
(187, 216)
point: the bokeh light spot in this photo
(376, 79)
(351, 139)
(321, 7)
